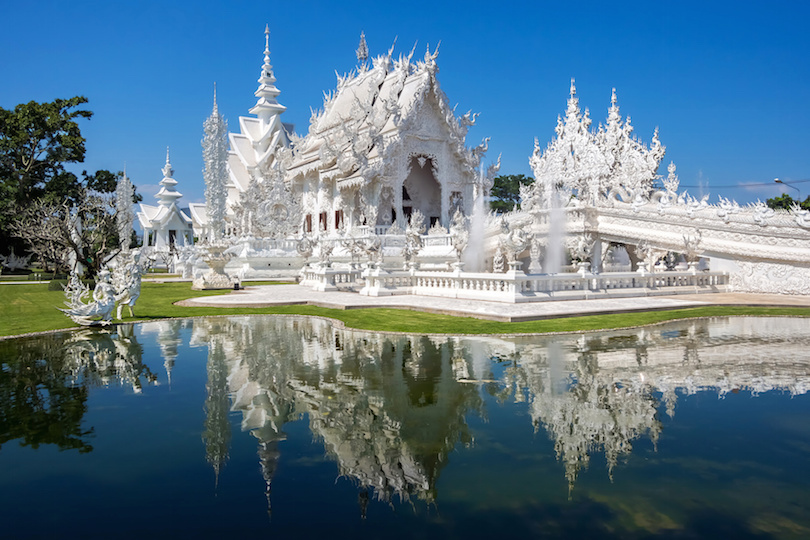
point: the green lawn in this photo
(32, 308)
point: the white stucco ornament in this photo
(98, 311)
(127, 282)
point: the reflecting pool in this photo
(289, 427)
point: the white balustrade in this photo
(323, 278)
(519, 287)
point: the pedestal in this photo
(216, 277)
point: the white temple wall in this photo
(162, 238)
(309, 203)
(764, 277)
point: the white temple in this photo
(166, 226)
(386, 143)
(387, 146)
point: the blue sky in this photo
(726, 82)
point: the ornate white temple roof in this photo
(372, 106)
(253, 148)
(199, 214)
(153, 217)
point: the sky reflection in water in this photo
(287, 426)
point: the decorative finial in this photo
(362, 49)
(167, 169)
(266, 39)
(573, 88)
(216, 108)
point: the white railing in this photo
(323, 278)
(519, 287)
(440, 240)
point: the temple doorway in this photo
(421, 191)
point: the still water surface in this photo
(288, 427)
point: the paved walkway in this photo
(274, 295)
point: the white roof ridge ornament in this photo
(216, 108)
(362, 51)
(167, 168)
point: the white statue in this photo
(413, 236)
(499, 261)
(102, 305)
(459, 233)
(515, 239)
(130, 284)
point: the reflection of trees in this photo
(44, 383)
(39, 404)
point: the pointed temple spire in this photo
(614, 119)
(167, 168)
(215, 171)
(362, 50)
(267, 107)
(167, 194)
(573, 102)
(216, 107)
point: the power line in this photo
(737, 186)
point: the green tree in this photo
(37, 142)
(505, 193)
(786, 202)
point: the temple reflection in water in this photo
(389, 409)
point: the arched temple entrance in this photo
(421, 191)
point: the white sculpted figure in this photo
(515, 239)
(130, 284)
(499, 261)
(459, 233)
(102, 305)
(413, 236)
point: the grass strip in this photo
(32, 308)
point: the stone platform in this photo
(276, 295)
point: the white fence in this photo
(513, 287)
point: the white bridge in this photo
(763, 250)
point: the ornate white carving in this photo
(126, 281)
(215, 171)
(764, 277)
(413, 236)
(97, 312)
(459, 234)
(124, 216)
